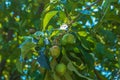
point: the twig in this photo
(92, 5)
(101, 20)
(2, 66)
(87, 8)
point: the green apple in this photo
(68, 39)
(55, 51)
(60, 69)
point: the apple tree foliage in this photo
(59, 39)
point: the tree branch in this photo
(2, 66)
(87, 8)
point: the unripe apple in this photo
(55, 51)
(68, 39)
(60, 69)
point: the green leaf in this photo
(41, 41)
(74, 56)
(90, 39)
(68, 76)
(82, 33)
(71, 67)
(48, 76)
(62, 15)
(63, 51)
(56, 77)
(118, 55)
(109, 36)
(89, 58)
(85, 44)
(118, 65)
(76, 50)
(26, 47)
(48, 17)
(100, 48)
(114, 18)
(106, 4)
(54, 33)
(19, 66)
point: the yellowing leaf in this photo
(48, 17)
